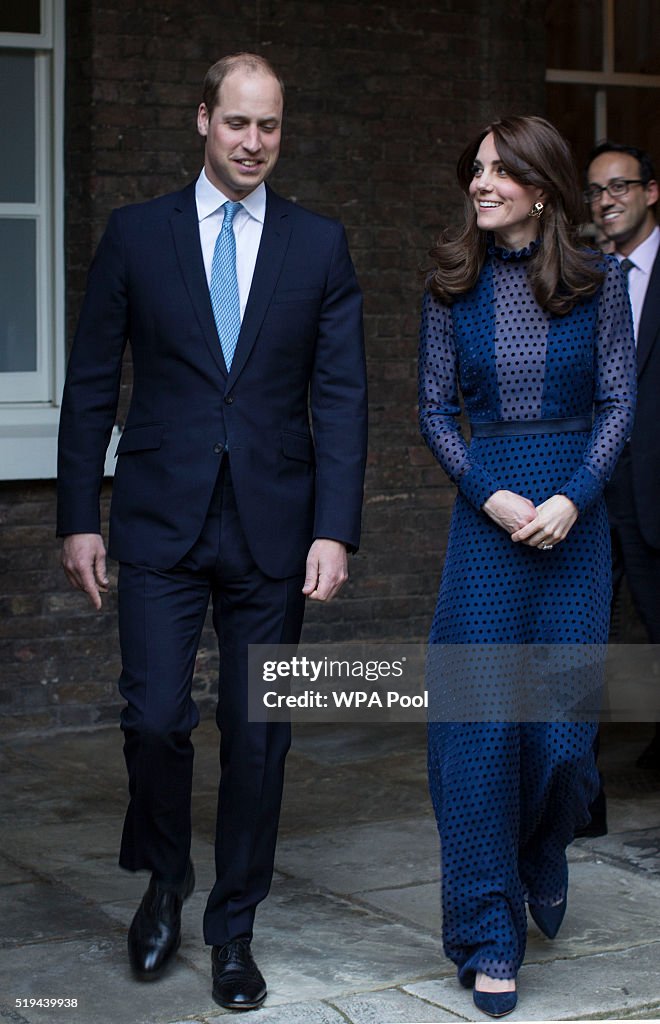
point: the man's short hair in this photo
(646, 171)
(253, 63)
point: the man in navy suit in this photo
(223, 491)
(622, 192)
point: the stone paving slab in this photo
(605, 985)
(640, 848)
(358, 858)
(97, 975)
(391, 1007)
(312, 1012)
(625, 815)
(314, 946)
(36, 911)
(354, 742)
(417, 904)
(608, 909)
(82, 857)
(12, 872)
(74, 776)
(89, 864)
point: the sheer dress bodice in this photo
(513, 361)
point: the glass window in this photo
(574, 34)
(18, 284)
(17, 127)
(637, 37)
(619, 101)
(21, 16)
(633, 117)
(571, 108)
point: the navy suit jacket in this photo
(300, 350)
(645, 441)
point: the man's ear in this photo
(652, 192)
(203, 120)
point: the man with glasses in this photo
(622, 194)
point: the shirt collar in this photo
(209, 199)
(644, 255)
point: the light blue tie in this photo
(224, 286)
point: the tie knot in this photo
(626, 266)
(230, 209)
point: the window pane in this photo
(574, 34)
(20, 16)
(17, 127)
(571, 109)
(633, 118)
(636, 35)
(18, 287)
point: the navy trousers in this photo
(632, 557)
(161, 616)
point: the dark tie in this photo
(224, 286)
(626, 266)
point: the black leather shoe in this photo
(155, 932)
(238, 984)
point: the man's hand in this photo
(83, 561)
(554, 519)
(327, 569)
(509, 510)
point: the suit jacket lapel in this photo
(272, 248)
(185, 228)
(649, 324)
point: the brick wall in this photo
(381, 97)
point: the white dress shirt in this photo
(638, 276)
(248, 226)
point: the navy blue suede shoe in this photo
(548, 919)
(495, 1004)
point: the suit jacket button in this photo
(218, 448)
(229, 399)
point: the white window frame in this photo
(36, 385)
(607, 76)
(28, 429)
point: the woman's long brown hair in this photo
(561, 270)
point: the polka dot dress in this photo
(509, 795)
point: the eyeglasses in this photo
(615, 188)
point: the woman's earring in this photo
(536, 210)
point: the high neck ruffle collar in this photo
(511, 254)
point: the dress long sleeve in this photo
(615, 389)
(439, 405)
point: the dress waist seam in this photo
(513, 428)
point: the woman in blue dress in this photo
(535, 332)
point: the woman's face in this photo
(502, 203)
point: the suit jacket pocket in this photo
(140, 439)
(297, 446)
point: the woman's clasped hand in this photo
(535, 525)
